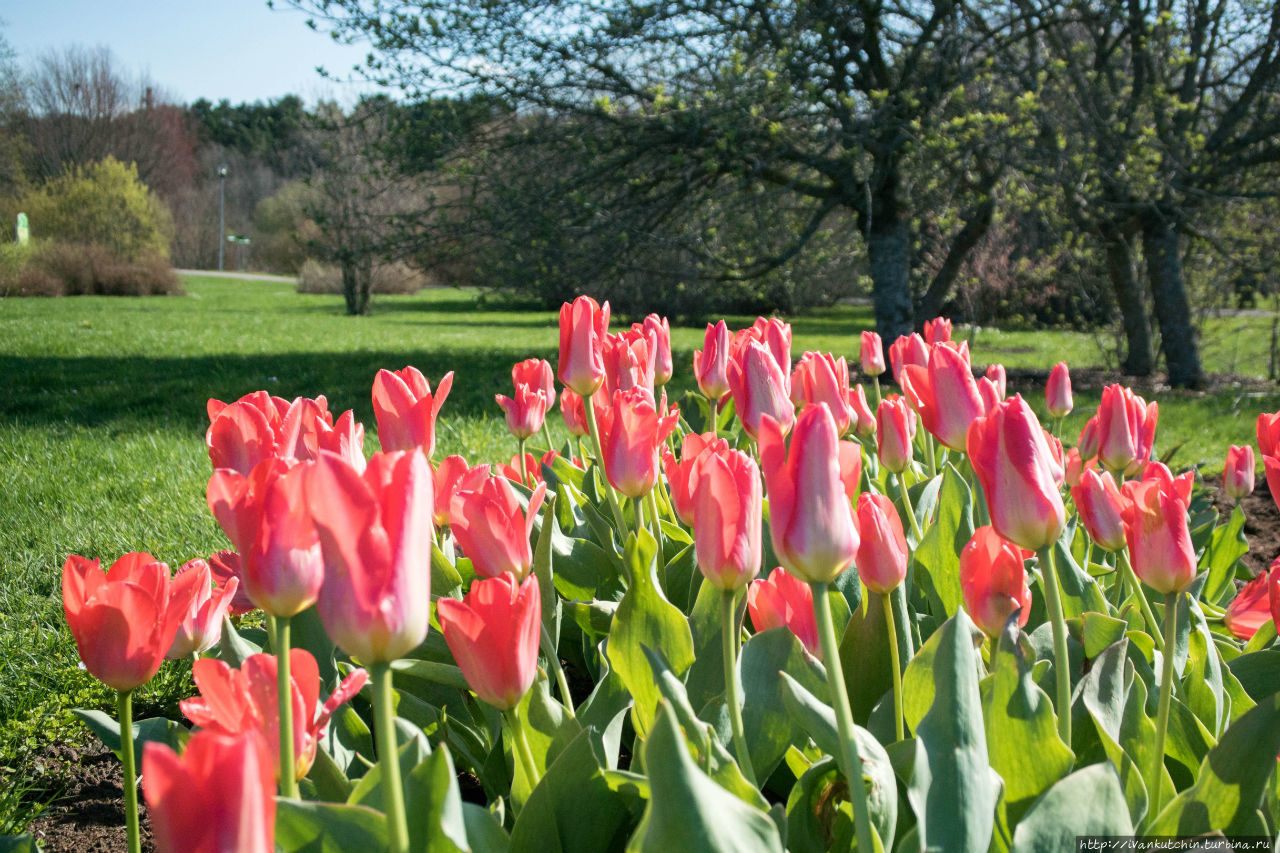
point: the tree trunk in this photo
(1139, 359)
(366, 284)
(1160, 243)
(889, 259)
(351, 287)
(976, 226)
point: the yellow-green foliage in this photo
(102, 204)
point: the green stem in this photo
(388, 756)
(1135, 586)
(929, 452)
(520, 746)
(1166, 696)
(850, 762)
(886, 602)
(876, 380)
(284, 704)
(594, 428)
(1061, 662)
(124, 705)
(546, 435)
(549, 648)
(900, 593)
(524, 468)
(655, 527)
(712, 416)
(911, 513)
(728, 625)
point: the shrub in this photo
(64, 269)
(397, 277)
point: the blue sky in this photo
(234, 49)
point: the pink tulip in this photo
(243, 433)
(882, 551)
(628, 362)
(345, 438)
(406, 409)
(1057, 394)
(945, 394)
(1273, 592)
(810, 519)
(1055, 451)
(1089, 439)
(710, 365)
(1251, 608)
(782, 601)
(1019, 475)
(760, 388)
(996, 373)
(1101, 508)
(297, 437)
(574, 411)
(823, 378)
(1181, 484)
(849, 455)
(1269, 433)
(451, 476)
(937, 330)
(525, 412)
(659, 331)
(375, 533)
(773, 334)
(493, 529)
(993, 579)
(224, 566)
(1126, 429)
(989, 392)
(236, 701)
(583, 327)
(1074, 467)
(1237, 475)
(533, 467)
(201, 627)
(1271, 467)
(535, 373)
(124, 621)
(1160, 549)
(218, 796)
(871, 355)
(895, 430)
(493, 634)
(631, 434)
(727, 519)
(864, 423)
(907, 349)
(682, 477)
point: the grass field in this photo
(102, 418)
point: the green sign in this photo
(22, 233)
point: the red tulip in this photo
(201, 626)
(871, 355)
(682, 477)
(996, 373)
(235, 701)
(907, 349)
(631, 434)
(760, 388)
(782, 601)
(1271, 467)
(882, 551)
(773, 334)
(810, 519)
(526, 411)
(1126, 429)
(1074, 467)
(710, 365)
(217, 797)
(297, 436)
(1057, 393)
(375, 533)
(895, 430)
(1089, 439)
(223, 567)
(937, 330)
(574, 412)
(1237, 475)
(1269, 433)
(1101, 507)
(1251, 608)
(406, 409)
(243, 433)
(823, 378)
(849, 454)
(124, 621)
(1273, 592)
(727, 519)
(1160, 548)
(451, 476)
(628, 362)
(945, 394)
(493, 529)
(583, 326)
(1055, 450)
(1019, 475)
(993, 580)
(864, 423)
(658, 330)
(345, 438)
(989, 392)
(535, 373)
(493, 634)
(1181, 484)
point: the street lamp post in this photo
(222, 198)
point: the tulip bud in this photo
(659, 331)
(1269, 433)
(907, 349)
(525, 412)
(1237, 475)
(406, 409)
(782, 601)
(631, 434)
(823, 378)
(1101, 506)
(451, 476)
(760, 388)
(493, 634)
(864, 423)
(882, 549)
(895, 429)
(727, 519)
(583, 327)
(1057, 393)
(628, 362)
(937, 330)
(871, 355)
(996, 373)
(243, 433)
(1126, 429)
(682, 476)
(574, 411)
(1160, 548)
(1087, 444)
(201, 626)
(710, 364)
(945, 394)
(993, 579)
(772, 334)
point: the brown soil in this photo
(1261, 527)
(87, 814)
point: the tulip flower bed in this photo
(692, 623)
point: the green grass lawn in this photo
(102, 419)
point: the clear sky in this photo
(234, 49)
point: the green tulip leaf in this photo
(1258, 672)
(433, 804)
(768, 727)
(1088, 802)
(1227, 545)
(153, 730)
(303, 827)
(939, 553)
(864, 657)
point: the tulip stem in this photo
(520, 746)
(729, 625)
(389, 756)
(524, 468)
(876, 380)
(1135, 586)
(1061, 662)
(1166, 696)
(651, 502)
(886, 602)
(850, 762)
(911, 513)
(284, 702)
(618, 517)
(712, 417)
(124, 705)
(546, 436)
(930, 454)
(553, 657)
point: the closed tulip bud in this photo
(895, 429)
(811, 522)
(573, 409)
(583, 326)
(124, 621)
(375, 532)
(771, 333)
(823, 378)
(282, 566)
(297, 436)
(1155, 520)
(727, 519)
(712, 362)
(682, 476)
(1269, 433)
(659, 331)
(1101, 506)
(535, 373)
(760, 388)
(1251, 608)
(1087, 445)
(628, 362)
(494, 530)
(937, 330)
(1019, 475)
(945, 394)
(406, 409)
(1126, 429)
(219, 795)
(996, 373)
(993, 579)
(525, 412)
(1073, 466)
(201, 626)
(451, 476)
(864, 423)
(1237, 475)
(493, 635)
(1057, 394)
(850, 457)
(783, 601)
(907, 349)
(990, 394)
(631, 434)
(871, 356)
(882, 549)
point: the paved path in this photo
(249, 276)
